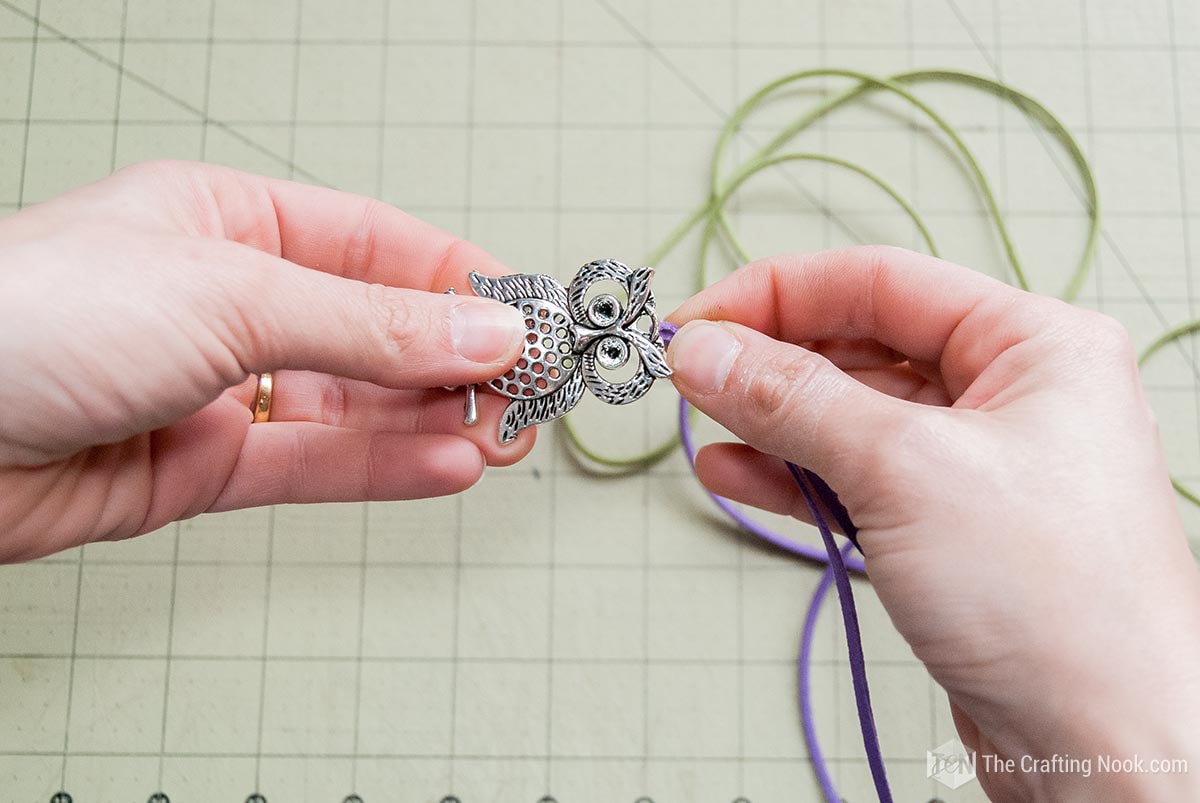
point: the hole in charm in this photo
(551, 357)
(511, 375)
(612, 352)
(535, 353)
(568, 363)
(541, 383)
(531, 337)
(513, 390)
(604, 310)
(522, 363)
(544, 328)
(553, 373)
(538, 368)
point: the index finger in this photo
(925, 308)
(341, 233)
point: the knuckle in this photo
(163, 171)
(150, 167)
(231, 307)
(1091, 342)
(449, 262)
(360, 248)
(301, 465)
(392, 318)
(875, 265)
(878, 257)
(763, 270)
(877, 262)
(335, 402)
(1109, 334)
(373, 471)
(772, 390)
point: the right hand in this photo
(996, 451)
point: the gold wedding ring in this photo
(262, 400)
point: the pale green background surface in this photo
(547, 632)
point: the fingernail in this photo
(701, 355)
(484, 331)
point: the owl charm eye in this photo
(612, 352)
(604, 310)
(571, 338)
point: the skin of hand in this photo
(137, 312)
(998, 454)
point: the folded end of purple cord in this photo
(666, 331)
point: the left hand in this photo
(136, 315)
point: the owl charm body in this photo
(572, 335)
(548, 361)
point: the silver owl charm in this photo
(571, 336)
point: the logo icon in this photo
(950, 764)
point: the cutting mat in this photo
(548, 633)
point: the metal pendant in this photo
(572, 335)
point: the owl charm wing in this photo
(524, 413)
(517, 286)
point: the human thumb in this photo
(783, 399)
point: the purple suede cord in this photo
(745, 522)
(839, 563)
(826, 494)
(858, 661)
(804, 671)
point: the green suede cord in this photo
(718, 229)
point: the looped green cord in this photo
(717, 226)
